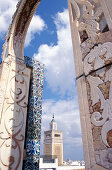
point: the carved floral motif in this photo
(90, 23)
(88, 17)
(99, 79)
(14, 87)
(103, 119)
(94, 38)
(98, 57)
(13, 118)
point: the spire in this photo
(53, 124)
(53, 119)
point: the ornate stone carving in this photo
(14, 85)
(104, 158)
(99, 85)
(98, 57)
(87, 45)
(88, 18)
(11, 136)
(13, 117)
(92, 43)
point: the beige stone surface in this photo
(53, 142)
(107, 8)
(13, 113)
(14, 88)
(76, 42)
(85, 123)
(15, 83)
(58, 151)
(47, 149)
(94, 85)
(97, 167)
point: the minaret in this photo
(53, 142)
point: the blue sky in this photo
(49, 41)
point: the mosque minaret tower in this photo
(53, 142)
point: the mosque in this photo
(53, 142)
(53, 151)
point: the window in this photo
(57, 135)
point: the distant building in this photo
(52, 164)
(53, 142)
(53, 152)
(74, 163)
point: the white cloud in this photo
(36, 26)
(7, 9)
(58, 59)
(73, 141)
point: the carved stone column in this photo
(107, 8)
(14, 86)
(92, 44)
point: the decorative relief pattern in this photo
(104, 158)
(94, 38)
(88, 16)
(102, 117)
(14, 89)
(13, 118)
(99, 87)
(90, 21)
(98, 57)
(34, 113)
(3, 82)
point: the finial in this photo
(53, 116)
(53, 119)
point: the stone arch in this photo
(15, 37)
(14, 87)
(13, 58)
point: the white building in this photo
(52, 164)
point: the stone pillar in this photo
(14, 87)
(92, 45)
(107, 8)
